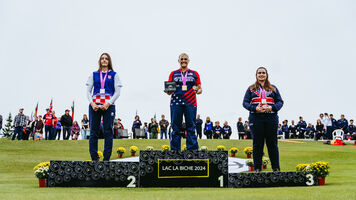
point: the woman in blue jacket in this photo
(263, 101)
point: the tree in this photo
(8, 131)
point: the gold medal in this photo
(184, 88)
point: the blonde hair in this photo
(183, 54)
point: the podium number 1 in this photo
(221, 179)
(133, 181)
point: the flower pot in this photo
(248, 155)
(321, 181)
(264, 166)
(119, 155)
(133, 154)
(233, 154)
(42, 182)
(250, 168)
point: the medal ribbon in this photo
(263, 93)
(102, 81)
(184, 78)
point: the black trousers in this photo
(264, 128)
(209, 134)
(199, 133)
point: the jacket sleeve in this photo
(246, 102)
(278, 101)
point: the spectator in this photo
(27, 129)
(208, 128)
(145, 129)
(75, 132)
(199, 126)
(54, 129)
(343, 124)
(217, 130)
(279, 130)
(47, 120)
(85, 127)
(247, 130)
(19, 124)
(67, 122)
(319, 130)
(351, 129)
(136, 125)
(310, 131)
(58, 129)
(153, 128)
(39, 126)
(240, 129)
(285, 129)
(33, 128)
(328, 126)
(301, 126)
(334, 124)
(227, 131)
(293, 130)
(163, 126)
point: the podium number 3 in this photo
(221, 179)
(133, 181)
(310, 179)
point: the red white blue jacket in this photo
(253, 99)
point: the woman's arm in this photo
(118, 86)
(278, 101)
(247, 101)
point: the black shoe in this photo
(276, 170)
(257, 170)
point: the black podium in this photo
(183, 169)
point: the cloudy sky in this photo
(49, 48)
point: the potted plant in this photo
(184, 148)
(233, 151)
(265, 162)
(203, 148)
(120, 151)
(321, 169)
(221, 148)
(100, 154)
(149, 148)
(249, 163)
(41, 172)
(248, 151)
(133, 150)
(165, 147)
(301, 167)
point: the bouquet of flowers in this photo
(149, 148)
(120, 151)
(165, 147)
(233, 151)
(100, 154)
(321, 168)
(248, 151)
(220, 148)
(133, 150)
(184, 148)
(203, 148)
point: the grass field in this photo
(17, 159)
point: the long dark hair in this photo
(267, 85)
(109, 64)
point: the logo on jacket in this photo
(109, 77)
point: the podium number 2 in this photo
(221, 179)
(310, 179)
(133, 181)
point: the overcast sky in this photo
(49, 48)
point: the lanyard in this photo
(184, 78)
(102, 81)
(263, 93)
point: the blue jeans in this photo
(165, 134)
(94, 121)
(19, 132)
(48, 132)
(190, 113)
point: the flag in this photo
(36, 110)
(154, 116)
(51, 106)
(73, 111)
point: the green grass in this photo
(17, 159)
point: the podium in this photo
(183, 169)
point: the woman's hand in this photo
(169, 92)
(260, 109)
(269, 108)
(94, 106)
(105, 106)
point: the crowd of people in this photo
(51, 127)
